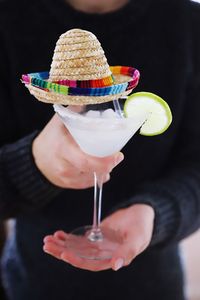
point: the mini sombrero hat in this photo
(80, 73)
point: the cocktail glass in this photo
(100, 132)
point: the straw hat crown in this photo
(80, 73)
(78, 55)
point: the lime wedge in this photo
(159, 116)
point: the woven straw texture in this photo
(55, 98)
(78, 55)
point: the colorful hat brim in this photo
(125, 80)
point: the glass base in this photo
(93, 244)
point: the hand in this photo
(63, 163)
(134, 224)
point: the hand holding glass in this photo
(99, 132)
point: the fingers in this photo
(86, 163)
(53, 247)
(123, 256)
(63, 163)
(56, 246)
(61, 235)
(85, 264)
(75, 179)
(70, 150)
(127, 252)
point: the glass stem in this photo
(96, 234)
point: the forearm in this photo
(22, 187)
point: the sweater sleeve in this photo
(22, 187)
(175, 196)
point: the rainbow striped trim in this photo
(40, 80)
(107, 81)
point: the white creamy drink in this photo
(100, 133)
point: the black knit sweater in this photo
(162, 39)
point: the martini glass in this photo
(100, 131)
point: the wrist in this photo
(145, 212)
(144, 207)
(35, 151)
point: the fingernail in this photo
(119, 157)
(118, 264)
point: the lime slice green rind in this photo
(159, 116)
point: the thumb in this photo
(123, 256)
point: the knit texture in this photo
(19, 169)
